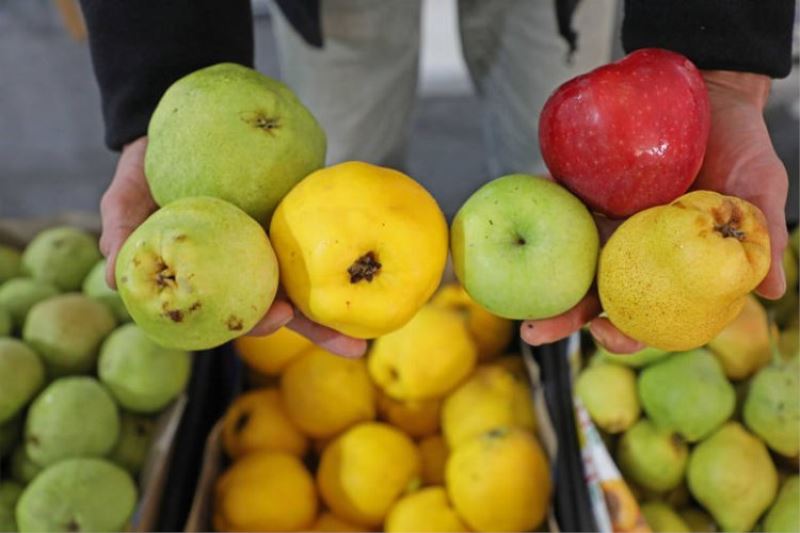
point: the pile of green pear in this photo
(709, 440)
(80, 389)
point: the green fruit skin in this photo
(72, 417)
(9, 494)
(67, 331)
(21, 377)
(95, 286)
(524, 247)
(143, 376)
(608, 392)
(784, 515)
(639, 359)
(10, 263)
(197, 273)
(133, 445)
(10, 433)
(23, 469)
(732, 475)
(661, 517)
(652, 457)
(19, 295)
(230, 132)
(82, 494)
(687, 393)
(772, 407)
(61, 256)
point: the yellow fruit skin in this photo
(339, 214)
(271, 355)
(492, 397)
(324, 394)
(742, 348)
(265, 491)
(424, 359)
(416, 418)
(365, 470)
(424, 510)
(491, 333)
(258, 421)
(433, 452)
(669, 279)
(500, 481)
(328, 521)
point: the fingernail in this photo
(782, 277)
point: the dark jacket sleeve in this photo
(742, 35)
(139, 49)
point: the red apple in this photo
(628, 135)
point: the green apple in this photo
(61, 256)
(21, 377)
(197, 273)
(524, 247)
(66, 331)
(10, 263)
(135, 435)
(230, 132)
(72, 417)
(82, 494)
(143, 376)
(95, 287)
(18, 295)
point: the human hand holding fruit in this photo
(128, 202)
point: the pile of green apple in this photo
(80, 389)
(709, 439)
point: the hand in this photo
(128, 202)
(739, 161)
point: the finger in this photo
(611, 338)
(279, 314)
(538, 332)
(774, 284)
(331, 340)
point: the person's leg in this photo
(361, 84)
(516, 59)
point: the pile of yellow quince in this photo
(433, 431)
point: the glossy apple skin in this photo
(628, 135)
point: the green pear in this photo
(72, 417)
(95, 286)
(23, 469)
(653, 457)
(6, 324)
(21, 376)
(81, 494)
(9, 494)
(10, 432)
(784, 515)
(143, 376)
(697, 520)
(19, 295)
(61, 256)
(133, 445)
(10, 263)
(67, 331)
(230, 132)
(732, 475)
(772, 407)
(197, 273)
(687, 393)
(639, 359)
(661, 517)
(608, 392)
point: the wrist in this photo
(750, 87)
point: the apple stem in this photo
(365, 267)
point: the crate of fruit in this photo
(700, 440)
(89, 406)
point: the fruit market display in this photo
(434, 431)
(707, 439)
(80, 390)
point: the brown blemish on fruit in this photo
(33, 439)
(234, 323)
(73, 525)
(165, 277)
(175, 315)
(180, 238)
(676, 440)
(195, 306)
(365, 267)
(136, 262)
(261, 121)
(124, 279)
(241, 422)
(728, 219)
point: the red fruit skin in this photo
(628, 135)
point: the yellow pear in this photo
(743, 346)
(424, 510)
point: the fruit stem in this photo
(365, 267)
(728, 230)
